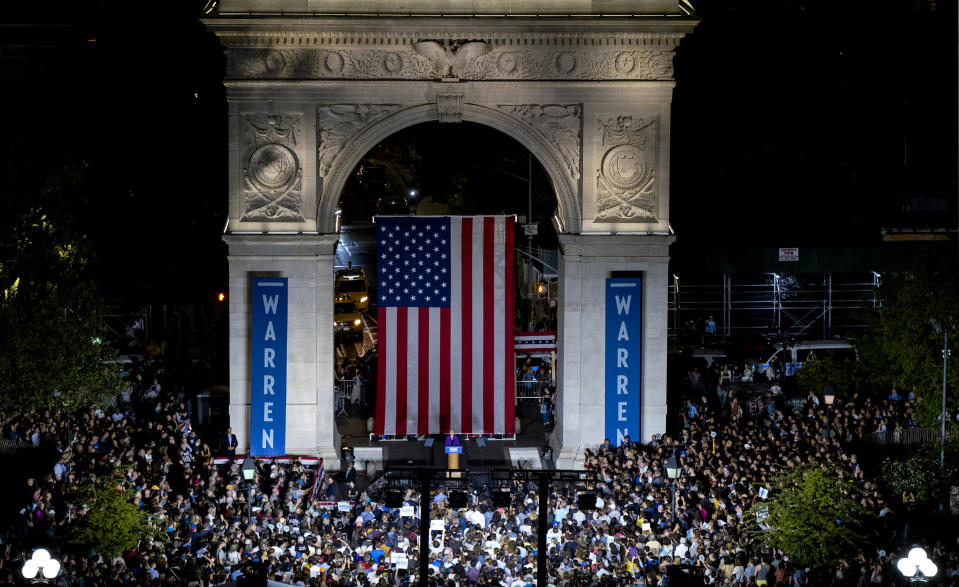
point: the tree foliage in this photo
(812, 514)
(844, 375)
(903, 348)
(918, 474)
(51, 320)
(113, 524)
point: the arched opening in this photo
(433, 169)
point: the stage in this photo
(524, 450)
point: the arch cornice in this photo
(566, 188)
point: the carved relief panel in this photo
(626, 171)
(561, 126)
(461, 58)
(272, 175)
(338, 123)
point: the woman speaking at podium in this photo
(452, 456)
(452, 439)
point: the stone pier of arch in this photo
(588, 95)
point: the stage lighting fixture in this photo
(586, 501)
(393, 499)
(458, 500)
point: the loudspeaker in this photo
(458, 500)
(393, 499)
(586, 501)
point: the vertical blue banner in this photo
(624, 358)
(268, 367)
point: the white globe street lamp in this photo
(41, 563)
(917, 566)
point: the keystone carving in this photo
(338, 123)
(625, 179)
(272, 176)
(560, 124)
(449, 106)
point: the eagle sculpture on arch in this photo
(449, 60)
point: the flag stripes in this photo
(445, 320)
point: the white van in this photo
(795, 354)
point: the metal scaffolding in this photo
(820, 305)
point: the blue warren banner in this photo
(624, 312)
(268, 367)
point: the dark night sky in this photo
(794, 124)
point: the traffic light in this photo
(221, 297)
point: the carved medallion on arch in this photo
(560, 125)
(625, 179)
(272, 176)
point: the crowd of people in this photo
(343, 534)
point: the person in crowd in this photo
(228, 443)
(217, 528)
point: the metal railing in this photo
(810, 304)
(530, 389)
(346, 392)
(9, 447)
(908, 437)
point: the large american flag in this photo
(445, 325)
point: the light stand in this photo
(917, 567)
(829, 399)
(674, 471)
(543, 479)
(248, 469)
(43, 564)
(945, 360)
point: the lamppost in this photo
(945, 360)
(674, 471)
(249, 472)
(917, 567)
(41, 562)
(829, 398)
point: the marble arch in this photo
(585, 85)
(370, 136)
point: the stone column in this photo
(307, 260)
(585, 263)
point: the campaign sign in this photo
(454, 450)
(624, 312)
(268, 307)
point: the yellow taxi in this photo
(346, 316)
(352, 283)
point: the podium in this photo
(453, 456)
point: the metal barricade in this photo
(530, 389)
(346, 393)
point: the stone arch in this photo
(567, 192)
